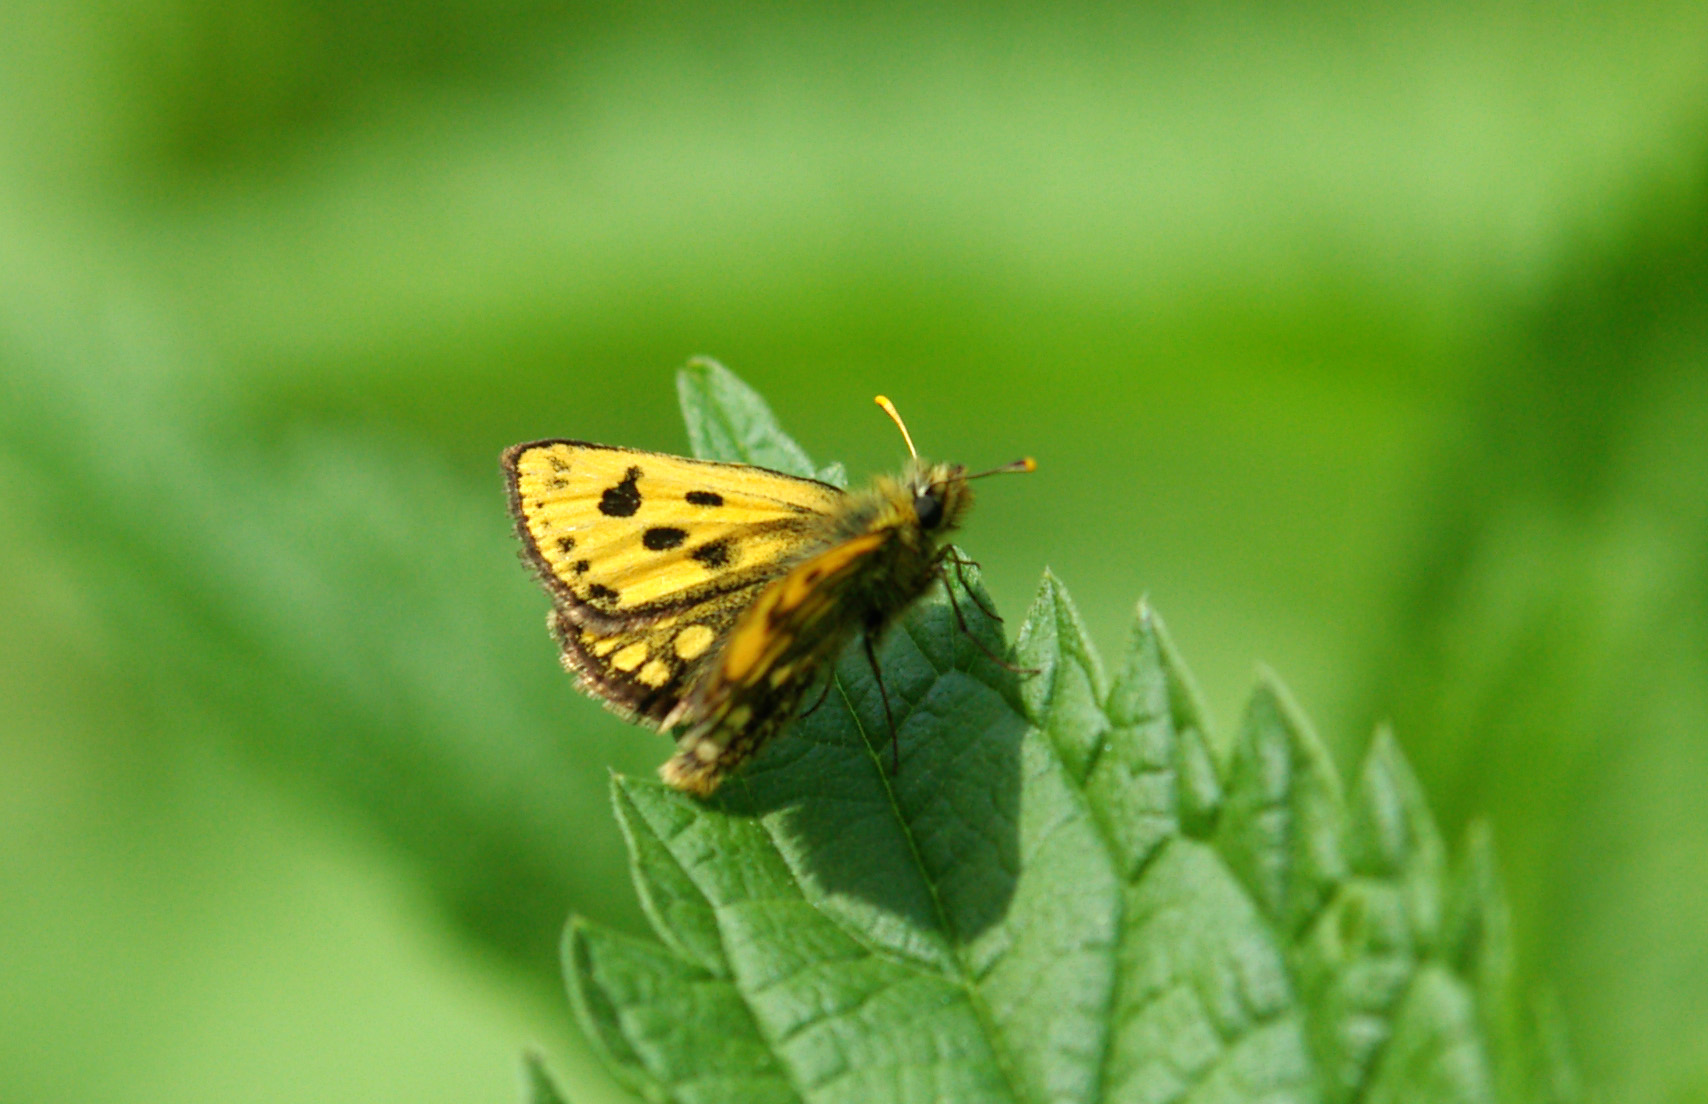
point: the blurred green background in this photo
(1370, 341)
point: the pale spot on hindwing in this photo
(781, 673)
(630, 657)
(692, 642)
(655, 674)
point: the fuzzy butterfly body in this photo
(708, 597)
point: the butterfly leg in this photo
(878, 677)
(961, 620)
(960, 573)
(829, 681)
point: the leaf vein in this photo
(980, 1007)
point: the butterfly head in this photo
(940, 492)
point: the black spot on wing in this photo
(713, 554)
(566, 545)
(623, 499)
(602, 594)
(580, 567)
(705, 498)
(558, 464)
(660, 537)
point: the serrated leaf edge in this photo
(538, 1085)
(1305, 750)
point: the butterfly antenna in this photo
(1024, 464)
(890, 409)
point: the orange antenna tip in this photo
(1024, 464)
(890, 409)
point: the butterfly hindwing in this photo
(775, 652)
(643, 670)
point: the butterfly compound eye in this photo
(929, 508)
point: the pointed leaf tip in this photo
(674, 904)
(537, 1084)
(1065, 698)
(1131, 781)
(1392, 832)
(663, 1024)
(1140, 693)
(596, 1008)
(1184, 697)
(1476, 933)
(1282, 812)
(1154, 663)
(728, 420)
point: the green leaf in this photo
(1060, 895)
(727, 420)
(1280, 829)
(537, 1085)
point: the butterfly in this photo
(708, 597)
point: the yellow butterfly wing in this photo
(774, 651)
(651, 558)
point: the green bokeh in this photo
(1370, 342)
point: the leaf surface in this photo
(1060, 895)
